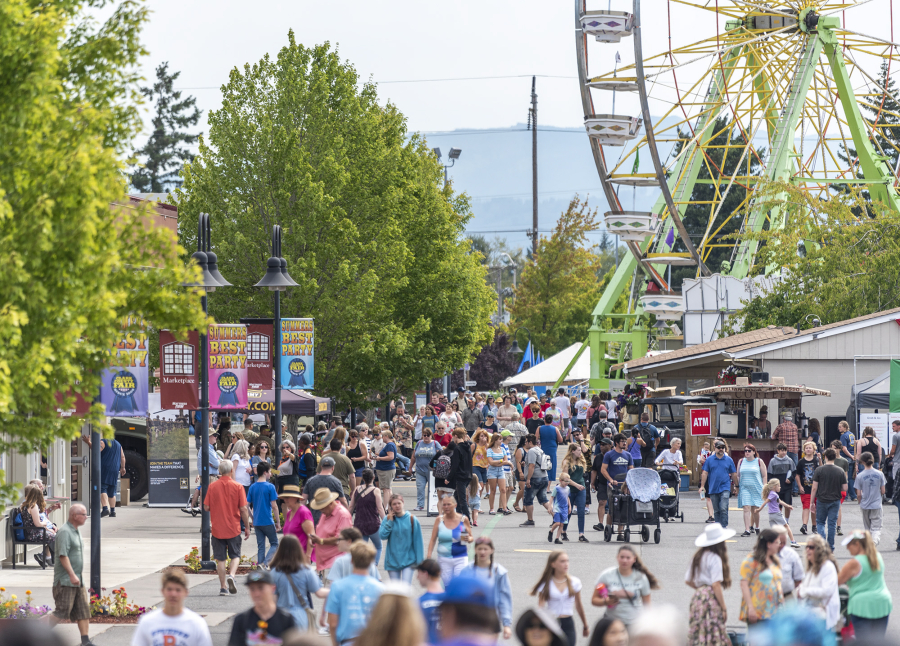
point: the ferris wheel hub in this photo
(808, 19)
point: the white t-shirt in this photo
(158, 629)
(562, 403)
(582, 406)
(709, 572)
(560, 603)
(240, 471)
(668, 458)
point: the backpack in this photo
(442, 467)
(544, 462)
(646, 435)
(595, 416)
(18, 524)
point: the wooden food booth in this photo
(736, 423)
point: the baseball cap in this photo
(469, 589)
(505, 433)
(259, 576)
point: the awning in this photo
(760, 391)
(293, 402)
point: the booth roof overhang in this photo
(760, 391)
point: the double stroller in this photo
(668, 504)
(637, 505)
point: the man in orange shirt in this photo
(227, 506)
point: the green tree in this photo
(371, 235)
(558, 292)
(720, 164)
(834, 266)
(166, 150)
(72, 267)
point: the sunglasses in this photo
(747, 450)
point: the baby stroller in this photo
(668, 505)
(639, 506)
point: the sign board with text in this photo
(701, 421)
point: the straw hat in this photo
(323, 498)
(290, 491)
(713, 534)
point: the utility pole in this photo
(532, 125)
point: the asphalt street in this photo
(524, 551)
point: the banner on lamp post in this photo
(259, 356)
(178, 371)
(169, 460)
(297, 354)
(227, 345)
(126, 383)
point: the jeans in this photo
(851, 478)
(405, 575)
(462, 497)
(538, 488)
(577, 498)
(827, 511)
(794, 457)
(376, 541)
(262, 533)
(421, 488)
(402, 460)
(720, 507)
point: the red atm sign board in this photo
(701, 419)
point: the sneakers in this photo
(41, 561)
(587, 510)
(599, 527)
(419, 509)
(112, 512)
(620, 538)
(187, 509)
(582, 539)
(232, 588)
(565, 536)
(105, 512)
(527, 523)
(746, 534)
(803, 529)
(710, 520)
(795, 544)
(474, 523)
(323, 630)
(223, 592)
(550, 536)
(839, 532)
(558, 542)
(755, 529)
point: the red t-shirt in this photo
(225, 497)
(444, 439)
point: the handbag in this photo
(310, 615)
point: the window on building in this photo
(257, 347)
(178, 359)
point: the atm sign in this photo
(701, 421)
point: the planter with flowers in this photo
(193, 564)
(115, 609)
(12, 608)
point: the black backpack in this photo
(595, 417)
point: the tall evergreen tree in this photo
(166, 151)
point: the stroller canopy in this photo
(643, 484)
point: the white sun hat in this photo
(712, 534)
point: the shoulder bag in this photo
(310, 615)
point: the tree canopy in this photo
(834, 264)
(371, 235)
(559, 290)
(166, 150)
(72, 268)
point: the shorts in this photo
(475, 503)
(805, 500)
(495, 473)
(71, 603)
(385, 478)
(226, 548)
(538, 488)
(776, 519)
(510, 482)
(109, 489)
(561, 517)
(602, 492)
(358, 472)
(481, 472)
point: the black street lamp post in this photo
(515, 349)
(209, 281)
(277, 280)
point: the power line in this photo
(439, 80)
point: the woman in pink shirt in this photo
(298, 520)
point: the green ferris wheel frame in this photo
(818, 34)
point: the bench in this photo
(14, 527)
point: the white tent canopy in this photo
(548, 371)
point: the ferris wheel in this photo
(689, 105)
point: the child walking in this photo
(474, 499)
(869, 487)
(774, 505)
(562, 508)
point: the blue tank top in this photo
(450, 541)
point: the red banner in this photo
(80, 409)
(259, 357)
(701, 421)
(178, 371)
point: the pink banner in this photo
(227, 367)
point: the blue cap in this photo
(469, 589)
